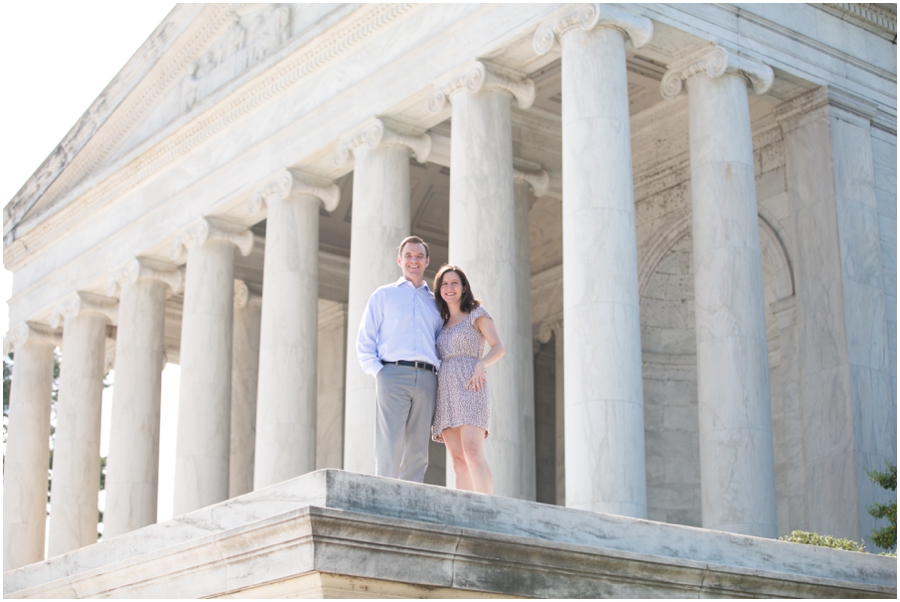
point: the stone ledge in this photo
(333, 533)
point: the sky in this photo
(58, 58)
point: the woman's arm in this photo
(488, 330)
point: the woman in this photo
(462, 413)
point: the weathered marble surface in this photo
(287, 395)
(244, 383)
(362, 526)
(381, 219)
(204, 410)
(482, 241)
(604, 417)
(76, 461)
(133, 471)
(27, 448)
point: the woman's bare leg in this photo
(453, 441)
(473, 448)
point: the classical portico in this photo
(684, 233)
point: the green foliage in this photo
(885, 537)
(826, 541)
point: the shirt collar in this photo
(402, 279)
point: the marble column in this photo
(76, 457)
(204, 409)
(605, 470)
(132, 468)
(537, 181)
(244, 383)
(286, 398)
(331, 363)
(380, 221)
(27, 444)
(737, 468)
(482, 241)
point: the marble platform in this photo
(338, 534)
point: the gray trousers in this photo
(404, 408)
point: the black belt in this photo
(422, 365)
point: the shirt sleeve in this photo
(367, 338)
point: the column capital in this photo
(211, 229)
(374, 132)
(141, 268)
(79, 303)
(715, 61)
(588, 16)
(538, 179)
(291, 183)
(29, 332)
(481, 75)
(243, 296)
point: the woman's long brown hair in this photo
(468, 301)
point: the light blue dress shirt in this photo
(401, 322)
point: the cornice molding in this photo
(290, 183)
(481, 75)
(715, 61)
(588, 16)
(29, 332)
(374, 132)
(141, 268)
(877, 18)
(112, 101)
(211, 229)
(309, 59)
(79, 303)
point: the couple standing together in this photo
(425, 352)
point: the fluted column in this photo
(27, 444)
(202, 453)
(737, 468)
(76, 459)
(604, 392)
(380, 221)
(286, 398)
(244, 383)
(132, 469)
(482, 241)
(538, 181)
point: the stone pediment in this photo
(192, 56)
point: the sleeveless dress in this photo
(460, 347)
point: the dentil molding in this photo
(374, 132)
(141, 268)
(481, 75)
(79, 303)
(290, 183)
(588, 16)
(715, 61)
(311, 59)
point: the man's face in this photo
(412, 261)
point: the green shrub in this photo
(826, 541)
(885, 537)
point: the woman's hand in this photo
(479, 377)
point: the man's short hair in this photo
(412, 239)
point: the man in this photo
(396, 345)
